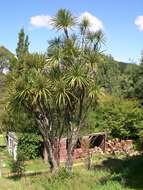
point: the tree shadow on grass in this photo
(128, 171)
(14, 178)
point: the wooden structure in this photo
(12, 142)
(94, 140)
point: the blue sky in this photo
(124, 38)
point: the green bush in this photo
(29, 145)
(120, 118)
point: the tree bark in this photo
(71, 142)
(49, 140)
(51, 157)
(45, 153)
(69, 160)
(57, 151)
(66, 33)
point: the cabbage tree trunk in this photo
(46, 130)
(71, 142)
(52, 161)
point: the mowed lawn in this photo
(107, 173)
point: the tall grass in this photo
(108, 173)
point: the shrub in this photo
(120, 118)
(29, 145)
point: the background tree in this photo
(6, 60)
(120, 118)
(138, 81)
(22, 45)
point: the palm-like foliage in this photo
(32, 88)
(35, 91)
(84, 26)
(56, 42)
(55, 51)
(96, 39)
(62, 53)
(63, 20)
(77, 77)
(63, 93)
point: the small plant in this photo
(18, 166)
(63, 174)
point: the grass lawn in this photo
(2, 140)
(31, 165)
(107, 173)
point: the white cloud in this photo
(95, 23)
(139, 22)
(43, 21)
(40, 21)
